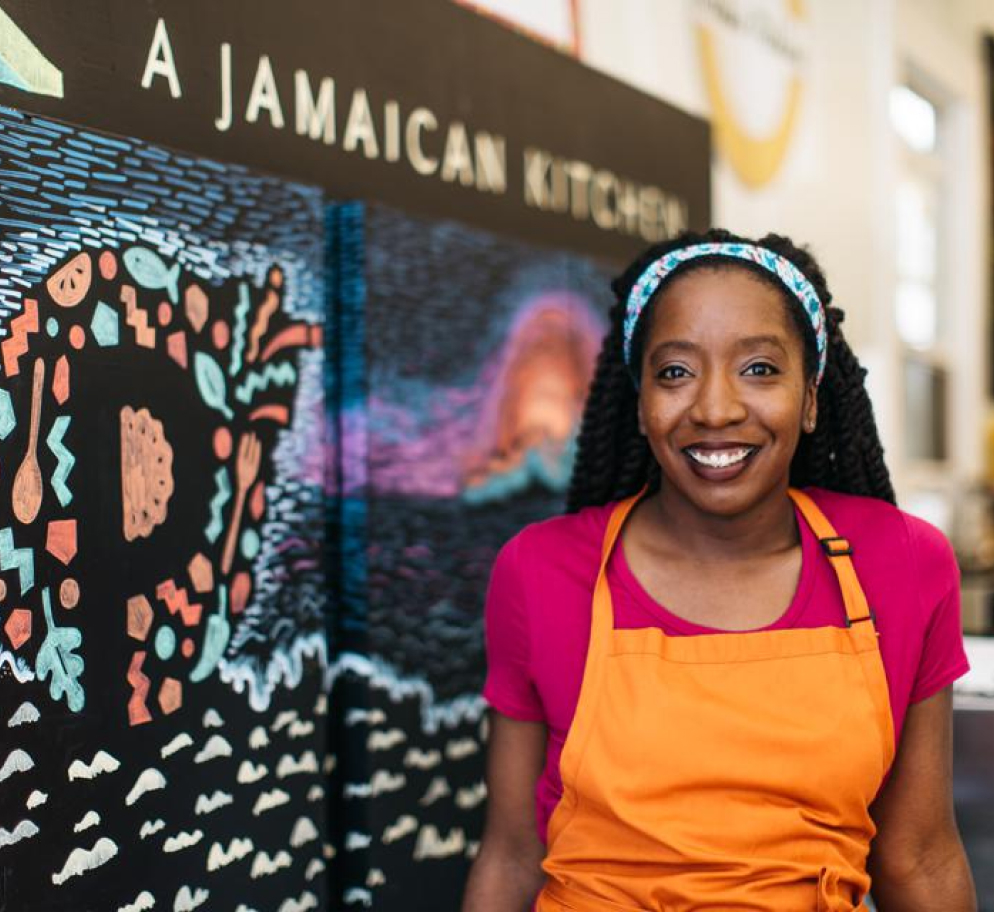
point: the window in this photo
(919, 313)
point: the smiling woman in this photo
(722, 678)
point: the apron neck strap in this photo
(838, 551)
(835, 547)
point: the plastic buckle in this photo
(872, 616)
(836, 546)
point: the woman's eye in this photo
(671, 372)
(761, 369)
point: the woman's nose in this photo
(717, 401)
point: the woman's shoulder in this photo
(568, 539)
(876, 527)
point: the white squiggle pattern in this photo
(26, 713)
(20, 669)
(82, 860)
(24, 830)
(18, 761)
(141, 903)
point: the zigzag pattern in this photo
(140, 684)
(257, 381)
(21, 559)
(238, 333)
(136, 318)
(65, 457)
(214, 528)
(17, 344)
(176, 601)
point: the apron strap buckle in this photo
(872, 616)
(836, 546)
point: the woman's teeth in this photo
(719, 459)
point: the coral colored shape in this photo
(139, 617)
(107, 265)
(241, 588)
(201, 573)
(69, 593)
(187, 647)
(60, 380)
(165, 313)
(136, 318)
(17, 344)
(270, 304)
(257, 502)
(291, 337)
(61, 539)
(3, 590)
(220, 334)
(176, 601)
(77, 338)
(18, 627)
(69, 284)
(170, 695)
(278, 413)
(196, 306)
(176, 346)
(222, 443)
(140, 684)
(276, 277)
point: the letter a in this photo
(160, 60)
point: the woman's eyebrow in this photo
(754, 341)
(745, 342)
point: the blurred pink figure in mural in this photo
(536, 391)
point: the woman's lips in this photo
(720, 463)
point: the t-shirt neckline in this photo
(621, 573)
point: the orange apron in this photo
(722, 771)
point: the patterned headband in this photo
(782, 268)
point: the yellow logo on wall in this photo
(770, 49)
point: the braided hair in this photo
(843, 453)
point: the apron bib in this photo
(722, 771)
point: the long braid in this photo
(843, 454)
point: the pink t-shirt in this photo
(539, 602)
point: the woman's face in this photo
(723, 395)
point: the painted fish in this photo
(151, 272)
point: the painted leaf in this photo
(211, 383)
(57, 659)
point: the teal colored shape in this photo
(104, 325)
(65, 457)
(57, 659)
(165, 643)
(52, 327)
(150, 271)
(250, 544)
(8, 420)
(215, 639)
(20, 559)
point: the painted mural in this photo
(465, 362)
(164, 598)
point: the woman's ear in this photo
(810, 420)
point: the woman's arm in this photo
(917, 860)
(506, 875)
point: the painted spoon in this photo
(27, 483)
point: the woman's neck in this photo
(678, 525)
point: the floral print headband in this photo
(792, 277)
